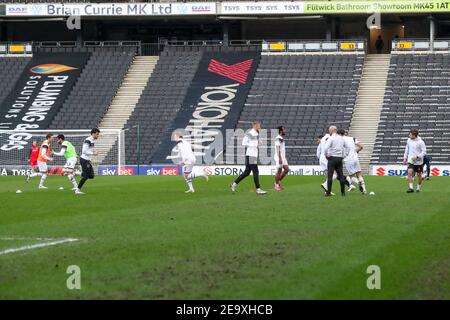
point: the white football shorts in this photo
(187, 168)
(283, 162)
(43, 168)
(352, 165)
(70, 163)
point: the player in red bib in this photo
(34, 154)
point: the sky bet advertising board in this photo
(231, 170)
(235, 170)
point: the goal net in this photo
(15, 147)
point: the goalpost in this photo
(15, 147)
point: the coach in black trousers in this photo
(427, 164)
(336, 149)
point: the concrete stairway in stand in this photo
(124, 102)
(369, 102)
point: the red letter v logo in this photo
(238, 71)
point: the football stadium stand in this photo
(417, 96)
(11, 69)
(305, 93)
(124, 102)
(160, 102)
(94, 90)
(369, 103)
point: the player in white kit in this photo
(280, 158)
(187, 156)
(352, 164)
(323, 162)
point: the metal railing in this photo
(418, 45)
(15, 48)
(112, 43)
(196, 43)
(150, 49)
(356, 45)
(54, 44)
(74, 46)
(146, 49)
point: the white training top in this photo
(88, 148)
(185, 151)
(250, 142)
(323, 141)
(279, 142)
(318, 151)
(351, 142)
(416, 148)
(336, 146)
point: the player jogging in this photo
(34, 155)
(187, 156)
(414, 153)
(352, 163)
(69, 152)
(251, 142)
(280, 158)
(45, 153)
(323, 161)
(87, 153)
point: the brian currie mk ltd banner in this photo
(111, 9)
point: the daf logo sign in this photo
(18, 10)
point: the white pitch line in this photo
(29, 238)
(36, 246)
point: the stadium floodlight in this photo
(15, 146)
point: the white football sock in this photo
(43, 177)
(355, 180)
(188, 180)
(349, 180)
(411, 186)
(362, 183)
(72, 180)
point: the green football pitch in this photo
(144, 238)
